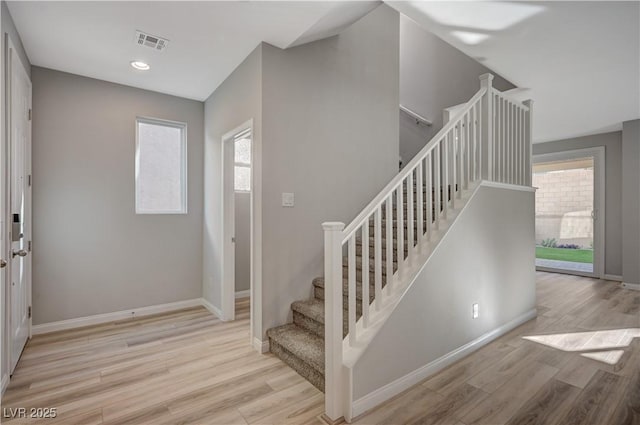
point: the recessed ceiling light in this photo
(142, 66)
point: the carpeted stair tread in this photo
(313, 309)
(318, 283)
(302, 344)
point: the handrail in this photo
(408, 169)
(416, 116)
(511, 99)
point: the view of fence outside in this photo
(564, 202)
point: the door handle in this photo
(3, 264)
(21, 253)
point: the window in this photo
(161, 167)
(242, 154)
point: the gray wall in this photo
(330, 135)
(6, 27)
(243, 240)
(237, 100)
(433, 76)
(92, 254)
(631, 201)
(612, 143)
(486, 258)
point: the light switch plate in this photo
(287, 200)
(476, 313)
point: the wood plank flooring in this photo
(577, 363)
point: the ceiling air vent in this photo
(151, 41)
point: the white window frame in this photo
(183, 152)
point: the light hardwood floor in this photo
(577, 363)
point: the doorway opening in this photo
(569, 214)
(238, 212)
(242, 213)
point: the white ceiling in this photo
(581, 60)
(207, 39)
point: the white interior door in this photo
(19, 92)
(228, 213)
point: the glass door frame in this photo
(598, 155)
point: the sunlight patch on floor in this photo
(610, 357)
(597, 345)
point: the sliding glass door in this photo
(568, 196)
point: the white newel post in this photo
(529, 138)
(486, 138)
(333, 397)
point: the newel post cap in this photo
(488, 77)
(333, 226)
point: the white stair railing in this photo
(489, 138)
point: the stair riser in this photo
(318, 293)
(295, 363)
(317, 328)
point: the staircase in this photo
(301, 344)
(370, 264)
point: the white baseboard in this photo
(212, 308)
(394, 388)
(243, 294)
(261, 346)
(5, 383)
(111, 317)
(632, 286)
(613, 277)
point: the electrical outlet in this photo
(475, 311)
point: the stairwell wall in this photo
(486, 258)
(330, 136)
(433, 76)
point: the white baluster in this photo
(389, 229)
(528, 138)
(333, 319)
(351, 284)
(516, 138)
(436, 174)
(445, 175)
(513, 143)
(410, 214)
(400, 232)
(455, 169)
(429, 194)
(420, 201)
(503, 138)
(509, 140)
(477, 175)
(486, 129)
(377, 246)
(523, 151)
(467, 144)
(365, 272)
(462, 149)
